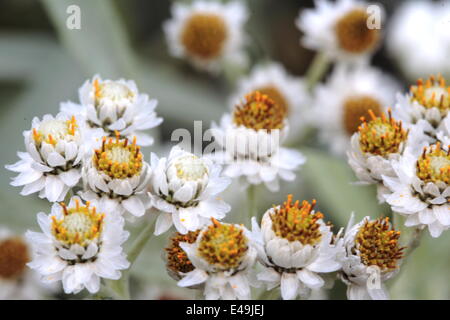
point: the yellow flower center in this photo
(433, 94)
(14, 256)
(204, 35)
(378, 244)
(276, 96)
(296, 222)
(358, 107)
(259, 112)
(434, 164)
(118, 158)
(79, 225)
(112, 92)
(190, 168)
(223, 245)
(381, 136)
(352, 32)
(177, 259)
(52, 131)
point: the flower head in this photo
(178, 263)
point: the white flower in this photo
(207, 33)
(117, 173)
(420, 189)
(250, 140)
(116, 106)
(296, 249)
(426, 105)
(222, 256)
(185, 189)
(343, 30)
(347, 96)
(51, 165)
(287, 91)
(418, 38)
(79, 245)
(372, 257)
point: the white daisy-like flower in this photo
(52, 164)
(296, 248)
(418, 38)
(207, 33)
(420, 190)
(287, 91)
(80, 244)
(185, 189)
(426, 106)
(347, 96)
(344, 30)
(117, 173)
(250, 143)
(376, 144)
(116, 106)
(222, 255)
(372, 256)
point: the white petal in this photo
(163, 223)
(310, 279)
(289, 286)
(192, 278)
(56, 160)
(134, 205)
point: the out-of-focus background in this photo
(42, 63)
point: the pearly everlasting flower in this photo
(177, 261)
(372, 256)
(222, 256)
(52, 163)
(285, 90)
(116, 106)
(16, 280)
(376, 144)
(116, 173)
(426, 106)
(185, 189)
(418, 38)
(347, 96)
(420, 190)
(296, 248)
(207, 33)
(250, 140)
(344, 30)
(79, 245)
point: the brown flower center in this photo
(177, 259)
(204, 35)
(276, 96)
(352, 32)
(13, 258)
(356, 108)
(434, 164)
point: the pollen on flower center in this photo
(14, 256)
(381, 136)
(378, 244)
(54, 130)
(296, 222)
(223, 245)
(259, 112)
(353, 34)
(177, 259)
(358, 107)
(434, 164)
(79, 225)
(118, 159)
(190, 168)
(204, 35)
(112, 92)
(276, 96)
(433, 94)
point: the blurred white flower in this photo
(115, 173)
(52, 163)
(372, 257)
(115, 106)
(296, 248)
(208, 33)
(250, 141)
(79, 245)
(342, 30)
(347, 96)
(418, 38)
(185, 189)
(222, 256)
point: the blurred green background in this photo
(43, 63)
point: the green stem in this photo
(317, 69)
(251, 198)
